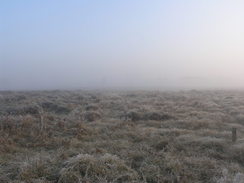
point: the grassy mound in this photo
(105, 168)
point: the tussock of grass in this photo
(155, 116)
(107, 168)
(91, 116)
(52, 107)
(230, 178)
(33, 110)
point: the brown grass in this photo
(149, 137)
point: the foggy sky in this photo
(129, 44)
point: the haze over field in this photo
(121, 44)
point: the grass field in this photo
(119, 136)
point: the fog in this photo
(126, 44)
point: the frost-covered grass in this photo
(103, 137)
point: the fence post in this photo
(234, 136)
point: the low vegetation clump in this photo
(117, 137)
(155, 116)
(91, 116)
(105, 168)
(33, 110)
(52, 107)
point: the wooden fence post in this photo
(234, 136)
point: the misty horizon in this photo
(159, 45)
